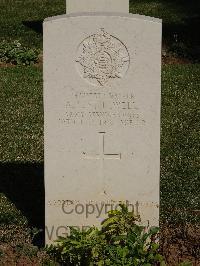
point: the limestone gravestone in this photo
(102, 88)
(75, 6)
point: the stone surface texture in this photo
(102, 90)
(76, 6)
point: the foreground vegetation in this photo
(21, 153)
(119, 241)
(21, 131)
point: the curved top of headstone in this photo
(76, 6)
(103, 14)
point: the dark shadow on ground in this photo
(185, 6)
(187, 30)
(180, 37)
(183, 38)
(34, 25)
(23, 184)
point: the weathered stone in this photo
(75, 6)
(102, 88)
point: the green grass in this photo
(21, 113)
(171, 11)
(180, 19)
(180, 182)
(21, 131)
(22, 19)
(9, 214)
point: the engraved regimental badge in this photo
(102, 57)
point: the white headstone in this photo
(102, 89)
(75, 6)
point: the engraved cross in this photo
(102, 155)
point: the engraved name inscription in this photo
(101, 109)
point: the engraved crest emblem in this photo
(102, 57)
